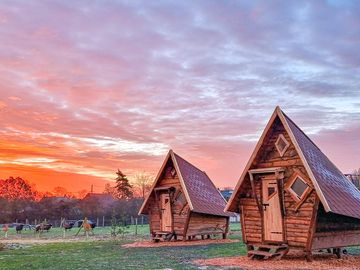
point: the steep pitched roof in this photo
(200, 192)
(336, 192)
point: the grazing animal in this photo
(19, 228)
(68, 226)
(43, 227)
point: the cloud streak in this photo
(100, 86)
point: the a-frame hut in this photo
(184, 203)
(291, 195)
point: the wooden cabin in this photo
(184, 203)
(291, 195)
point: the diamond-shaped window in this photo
(282, 145)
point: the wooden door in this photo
(272, 218)
(166, 217)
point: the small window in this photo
(281, 144)
(181, 198)
(173, 172)
(297, 187)
(271, 191)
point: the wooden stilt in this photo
(309, 256)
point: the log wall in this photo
(335, 231)
(201, 224)
(297, 224)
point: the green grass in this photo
(108, 253)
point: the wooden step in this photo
(163, 233)
(267, 251)
(261, 253)
(269, 246)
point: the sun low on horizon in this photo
(87, 88)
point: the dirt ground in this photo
(292, 261)
(150, 244)
(49, 240)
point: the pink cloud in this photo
(201, 78)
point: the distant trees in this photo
(61, 192)
(109, 189)
(123, 189)
(19, 200)
(355, 177)
(16, 195)
(17, 189)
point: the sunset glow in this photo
(90, 87)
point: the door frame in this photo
(279, 177)
(264, 220)
(170, 214)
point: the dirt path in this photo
(150, 244)
(52, 240)
(320, 262)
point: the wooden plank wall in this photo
(334, 230)
(206, 224)
(297, 223)
(251, 215)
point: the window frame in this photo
(287, 144)
(291, 181)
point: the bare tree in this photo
(143, 182)
(108, 189)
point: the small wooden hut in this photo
(184, 203)
(291, 195)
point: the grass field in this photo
(103, 252)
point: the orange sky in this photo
(86, 89)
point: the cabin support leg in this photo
(337, 252)
(208, 236)
(202, 237)
(309, 256)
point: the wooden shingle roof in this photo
(200, 192)
(336, 192)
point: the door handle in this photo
(265, 205)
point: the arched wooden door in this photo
(166, 216)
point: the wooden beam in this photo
(186, 225)
(242, 223)
(336, 239)
(275, 170)
(312, 226)
(226, 228)
(300, 203)
(254, 191)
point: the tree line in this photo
(20, 201)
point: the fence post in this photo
(136, 221)
(103, 221)
(97, 222)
